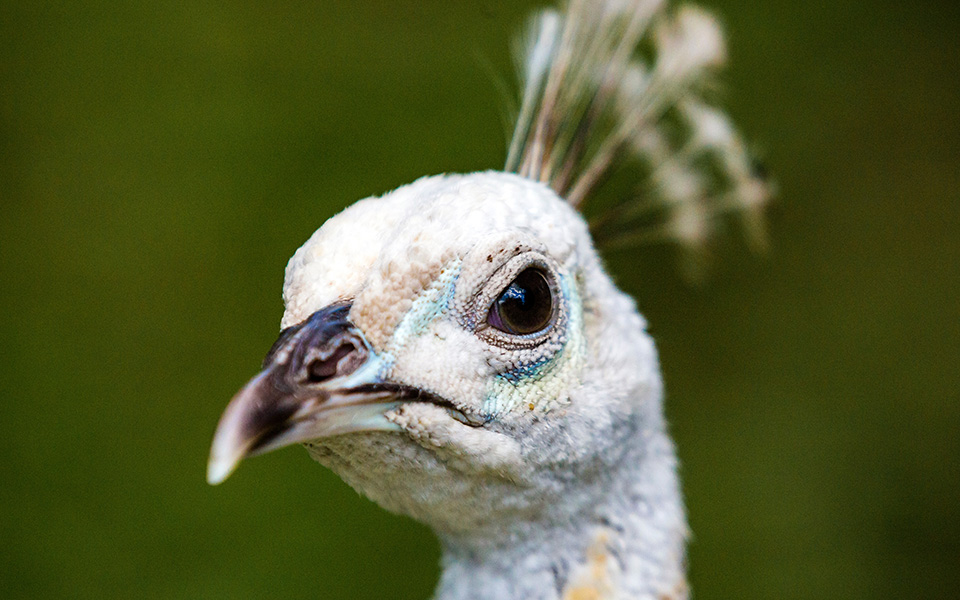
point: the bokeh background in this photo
(160, 161)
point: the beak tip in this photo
(229, 446)
(219, 469)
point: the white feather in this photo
(591, 103)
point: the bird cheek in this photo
(447, 361)
(463, 448)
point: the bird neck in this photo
(624, 540)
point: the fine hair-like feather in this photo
(622, 86)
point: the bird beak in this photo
(320, 379)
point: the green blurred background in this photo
(160, 161)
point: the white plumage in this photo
(455, 351)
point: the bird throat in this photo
(628, 543)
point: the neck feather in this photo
(628, 543)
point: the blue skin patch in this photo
(530, 371)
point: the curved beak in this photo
(320, 379)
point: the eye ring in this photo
(526, 307)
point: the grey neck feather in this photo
(627, 541)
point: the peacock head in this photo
(454, 351)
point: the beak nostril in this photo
(320, 369)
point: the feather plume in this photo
(620, 85)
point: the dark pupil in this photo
(525, 306)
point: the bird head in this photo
(454, 351)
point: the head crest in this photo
(620, 85)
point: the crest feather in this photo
(621, 84)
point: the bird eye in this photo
(525, 306)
